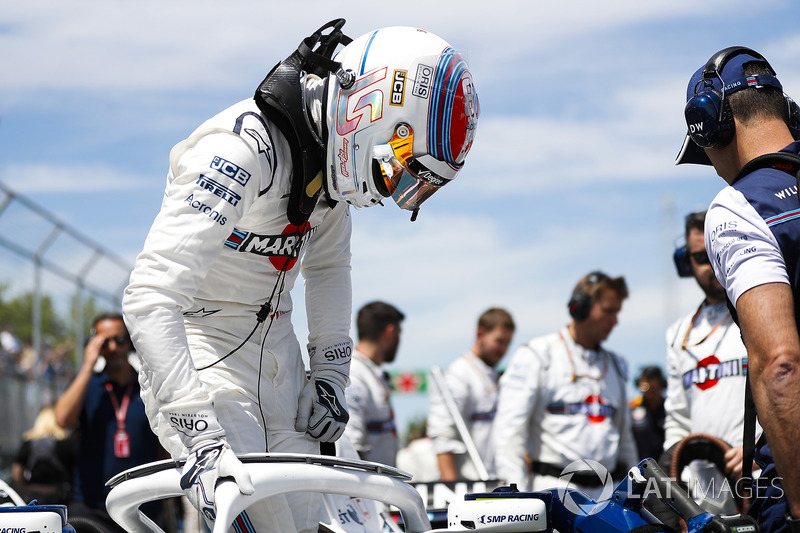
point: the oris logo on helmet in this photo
(422, 82)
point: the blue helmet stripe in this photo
(447, 77)
(366, 52)
(450, 95)
(434, 126)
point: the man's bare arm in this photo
(69, 404)
(447, 466)
(766, 314)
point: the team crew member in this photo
(741, 122)
(706, 360)
(471, 381)
(254, 196)
(563, 397)
(371, 428)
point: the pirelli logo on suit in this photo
(216, 188)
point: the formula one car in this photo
(358, 496)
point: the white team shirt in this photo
(473, 387)
(371, 427)
(559, 403)
(706, 371)
(743, 250)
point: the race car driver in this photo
(255, 195)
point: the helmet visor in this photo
(406, 179)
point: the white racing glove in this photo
(209, 462)
(322, 410)
(322, 407)
(210, 457)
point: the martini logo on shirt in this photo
(282, 250)
(597, 410)
(710, 370)
(594, 408)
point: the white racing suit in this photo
(560, 403)
(213, 256)
(473, 387)
(371, 428)
(706, 372)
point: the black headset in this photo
(708, 114)
(681, 255)
(581, 301)
(682, 263)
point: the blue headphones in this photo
(708, 113)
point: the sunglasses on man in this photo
(701, 257)
(118, 339)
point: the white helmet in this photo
(400, 120)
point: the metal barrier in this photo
(50, 245)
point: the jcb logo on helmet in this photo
(398, 87)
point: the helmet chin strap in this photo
(281, 98)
